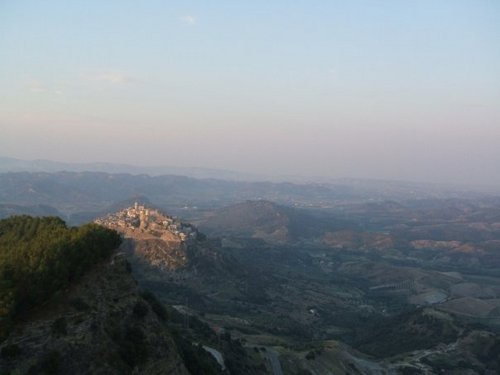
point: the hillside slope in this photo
(69, 304)
(102, 325)
(271, 222)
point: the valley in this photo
(356, 299)
(381, 286)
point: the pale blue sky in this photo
(403, 89)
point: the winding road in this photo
(273, 357)
(217, 355)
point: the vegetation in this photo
(403, 333)
(197, 360)
(60, 327)
(140, 310)
(10, 351)
(49, 364)
(132, 347)
(39, 256)
(156, 305)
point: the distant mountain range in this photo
(82, 196)
(40, 165)
(72, 192)
(415, 189)
(7, 210)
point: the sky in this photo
(386, 89)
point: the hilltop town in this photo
(139, 221)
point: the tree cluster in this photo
(39, 256)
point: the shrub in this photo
(60, 327)
(132, 346)
(310, 355)
(49, 364)
(79, 304)
(140, 309)
(156, 305)
(11, 351)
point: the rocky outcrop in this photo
(158, 239)
(101, 325)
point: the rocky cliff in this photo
(101, 325)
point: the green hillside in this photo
(39, 256)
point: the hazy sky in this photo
(402, 89)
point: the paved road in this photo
(369, 367)
(217, 355)
(273, 357)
